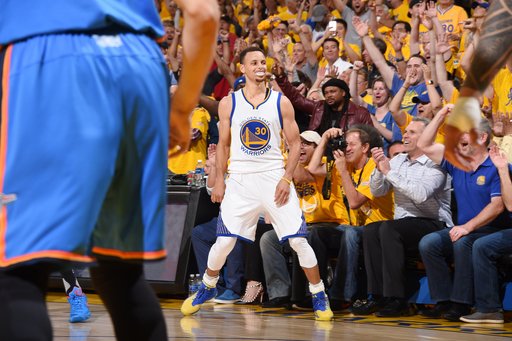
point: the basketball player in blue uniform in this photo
(252, 123)
(83, 151)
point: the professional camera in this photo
(337, 143)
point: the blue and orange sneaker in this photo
(79, 311)
(192, 304)
(321, 307)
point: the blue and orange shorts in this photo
(83, 154)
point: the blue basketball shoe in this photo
(321, 307)
(79, 311)
(192, 304)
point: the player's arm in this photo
(222, 152)
(491, 53)
(291, 133)
(199, 33)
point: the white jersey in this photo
(256, 134)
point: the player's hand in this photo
(452, 152)
(218, 191)
(457, 232)
(179, 138)
(282, 193)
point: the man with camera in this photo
(351, 156)
(422, 206)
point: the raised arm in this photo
(499, 159)
(433, 95)
(316, 166)
(340, 5)
(399, 115)
(378, 59)
(358, 65)
(434, 151)
(442, 47)
(305, 39)
(199, 34)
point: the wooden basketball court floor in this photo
(233, 322)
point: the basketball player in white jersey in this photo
(252, 123)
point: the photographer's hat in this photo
(311, 136)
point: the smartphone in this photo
(332, 26)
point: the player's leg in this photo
(79, 309)
(23, 313)
(207, 291)
(309, 264)
(130, 301)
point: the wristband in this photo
(288, 181)
(398, 60)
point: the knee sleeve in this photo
(220, 251)
(307, 258)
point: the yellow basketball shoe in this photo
(321, 307)
(192, 304)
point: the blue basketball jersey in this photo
(27, 18)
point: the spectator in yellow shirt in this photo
(182, 163)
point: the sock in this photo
(316, 288)
(209, 281)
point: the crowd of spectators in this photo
(381, 75)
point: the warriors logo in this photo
(255, 136)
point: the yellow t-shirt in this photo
(183, 163)
(502, 85)
(315, 208)
(285, 16)
(400, 13)
(164, 12)
(391, 54)
(376, 208)
(451, 21)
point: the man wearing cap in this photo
(335, 111)
(317, 212)
(319, 20)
